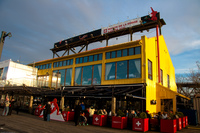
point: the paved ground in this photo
(27, 123)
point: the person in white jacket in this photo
(91, 113)
(6, 108)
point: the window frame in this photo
(161, 76)
(168, 81)
(91, 76)
(150, 70)
(127, 72)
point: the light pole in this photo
(3, 36)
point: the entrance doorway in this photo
(166, 105)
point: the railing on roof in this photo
(24, 81)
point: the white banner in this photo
(120, 26)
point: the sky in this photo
(36, 25)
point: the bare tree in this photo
(188, 84)
(194, 75)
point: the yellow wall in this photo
(150, 53)
(154, 91)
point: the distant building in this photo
(16, 74)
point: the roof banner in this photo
(121, 25)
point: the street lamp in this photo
(3, 36)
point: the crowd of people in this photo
(81, 110)
(9, 105)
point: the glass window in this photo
(77, 60)
(113, 54)
(40, 66)
(54, 79)
(100, 56)
(68, 77)
(71, 61)
(57, 64)
(124, 52)
(134, 68)
(161, 76)
(97, 75)
(67, 61)
(43, 66)
(78, 72)
(49, 65)
(121, 70)
(150, 70)
(60, 64)
(61, 78)
(119, 53)
(108, 55)
(95, 57)
(5, 71)
(1, 72)
(130, 51)
(110, 71)
(90, 58)
(54, 64)
(87, 75)
(137, 50)
(81, 60)
(168, 81)
(43, 81)
(64, 63)
(85, 59)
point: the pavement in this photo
(28, 123)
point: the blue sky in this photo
(37, 24)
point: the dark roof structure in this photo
(101, 91)
(124, 28)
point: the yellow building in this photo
(130, 66)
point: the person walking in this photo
(45, 112)
(6, 108)
(11, 106)
(18, 106)
(48, 110)
(77, 112)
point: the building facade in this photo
(16, 74)
(131, 63)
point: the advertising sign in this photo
(153, 16)
(120, 26)
(82, 37)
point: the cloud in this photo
(37, 25)
(195, 44)
(182, 32)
